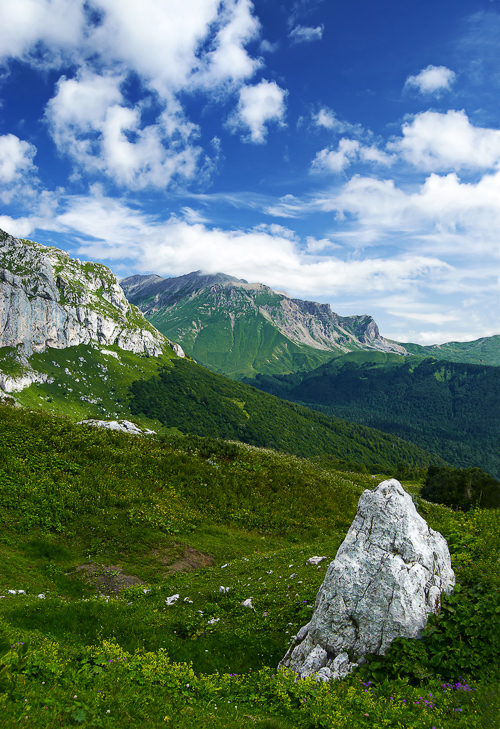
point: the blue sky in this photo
(344, 151)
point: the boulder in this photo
(388, 575)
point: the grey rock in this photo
(387, 577)
(123, 426)
(48, 300)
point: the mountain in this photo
(485, 350)
(241, 329)
(50, 301)
(450, 408)
(72, 344)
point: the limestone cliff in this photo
(48, 299)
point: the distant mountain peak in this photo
(241, 329)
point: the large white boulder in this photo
(388, 575)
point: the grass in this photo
(78, 655)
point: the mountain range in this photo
(241, 329)
(71, 343)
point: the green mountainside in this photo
(481, 351)
(240, 329)
(448, 408)
(119, 366)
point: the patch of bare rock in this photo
(388, 576)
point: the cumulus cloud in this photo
(91, 124)
(435, 141)
(16, 167)
(348, 150)
(16, 158)
(179, 44)
(336, 160)
(432, 80)
(118, 232)
(444, 214)
(170, 47)
(19, 228)
(258, 106)
(53, 24)
(304, 34)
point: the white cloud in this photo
(444, 213)
(271, 256)
(179, 44)
(258, 105)
(315, 246)
(91, 124)
(19, 228)
(304, 34)
(287, 206)
(17, 170)
(56, 24)
(432, 80)
(275, 229)
(348, 151)
(328, 119)
(16, 158)
(336, 160)
(434, 141)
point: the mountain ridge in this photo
(239, 328)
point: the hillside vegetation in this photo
(195, 400)
(448, 408)
(485, 350)
(167, 392)
(102, 624)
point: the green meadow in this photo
(125, 563)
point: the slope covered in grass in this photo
(76, 651)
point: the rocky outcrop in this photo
(122, 426)
(387, 577)
(48, 300)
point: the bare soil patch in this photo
(108, 579)
(183, 559)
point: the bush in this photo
(461, 488)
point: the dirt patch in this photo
(108, 579)
(183, 559)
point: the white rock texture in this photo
(48, 299)
(123, 426)
(388, 575)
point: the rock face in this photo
(48, 299)
(387, 577)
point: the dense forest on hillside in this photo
(448, 408)
(194, 400)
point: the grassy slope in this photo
(195, 400)
(450, 409)
(88, 381)
(236, 346)
(71, 495)
(91, 382)
(481, 351)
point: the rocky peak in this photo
(48, 299)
